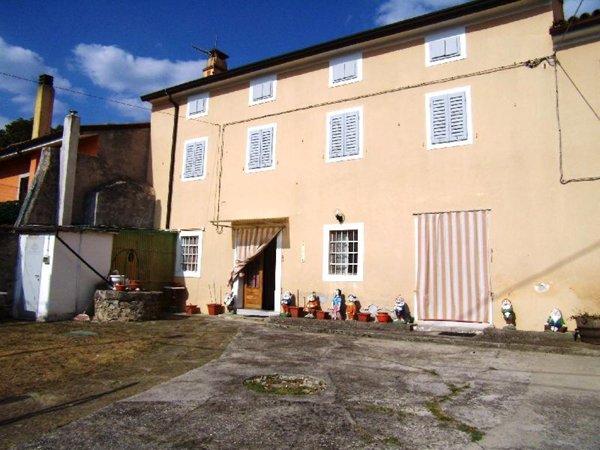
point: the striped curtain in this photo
(249, 242)
(452, 273)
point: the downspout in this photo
(172, 163)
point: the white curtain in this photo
(453, 266)
(249, 242)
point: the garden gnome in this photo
(286, 301)
(336, 304)
(351, 307)
(508, 313)
(230, 302)
(555, 322)
(401, 310)
(312, 305)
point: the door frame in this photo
(238, 288)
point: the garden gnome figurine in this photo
(351, 307)
(401, 310)
(336, 304)
(508, 313)
(230, 302)
(555, 322)
(286, 301)
(312, 305)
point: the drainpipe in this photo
(172, 163)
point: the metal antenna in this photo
(201, 50)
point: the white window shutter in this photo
(351, 138)
(254, 150)
(437, 49)
(350, 70)
(338, 72)
(452, 45)
(457, 117)
(336, 143)
(439, 119)
(199, 159)
(188, 169)
(266, 148)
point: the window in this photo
(189, 252)
(344, 135)
(449, 118)
(446, 46)
(261, 148)
(23, 187)
(194, 161)
(345, 69)
(197, 105)
(343, 252)
(263, 90)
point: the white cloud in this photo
(396, 10)
(121, 72)
(25, 65)
(570, 7)
(4, 121)
(132, 107)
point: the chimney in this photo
(67, 168)
(217, 63)
(558, 11)
(44, 104)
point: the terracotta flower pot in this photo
(364, 317)
(214, 309)
(383, 317)
(589, 330)
(296, 311)
(119, 287)
(322, 315)
(189, 309)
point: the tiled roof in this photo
(576, 22)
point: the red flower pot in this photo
(214, 309)
(364, 317)
(322, 315)
(383, 317)
(296, 311)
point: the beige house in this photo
(451, 158)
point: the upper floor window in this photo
(345, 69)
(449, 118)
(445, 46)
(197, 105)
(189, 253)
(194, 159)
(344, 135)
(261, 148)
(263, 90)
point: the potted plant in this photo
(214, 309)
(588, 327)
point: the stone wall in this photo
(126, 306)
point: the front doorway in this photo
(259, 280)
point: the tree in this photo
(18, 131)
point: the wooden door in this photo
(253, 283)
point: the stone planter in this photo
(124, 306)
(589, 329)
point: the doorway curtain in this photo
(249, 242)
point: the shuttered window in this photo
(262, 90)
(448, 118)
(194, 159)
(197, 105)
(261, 148)
(445, 46)
(345, 69)
(344, 135)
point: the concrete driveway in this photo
(379, 393)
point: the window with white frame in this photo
(197, 105)
(345, 69)
(189, 253)
(194, 159)
(263, 90)
(449, 118)
(261, 148)
(343, 252)
(445, 46)
(344, 135)
(23, 187)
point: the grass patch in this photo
(284, 384)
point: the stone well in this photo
(126, 306)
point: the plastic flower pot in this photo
(383, 317)
(364, 316)
(296, 311)
(322, 315)
(214, 309)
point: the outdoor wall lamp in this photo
(339, 215)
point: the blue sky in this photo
(121, 49)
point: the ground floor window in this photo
(189, 253)
(343, 252)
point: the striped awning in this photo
(250, 242)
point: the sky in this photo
(105, 54)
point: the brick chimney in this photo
(217, 63)
(44, 105)
(558, 11)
